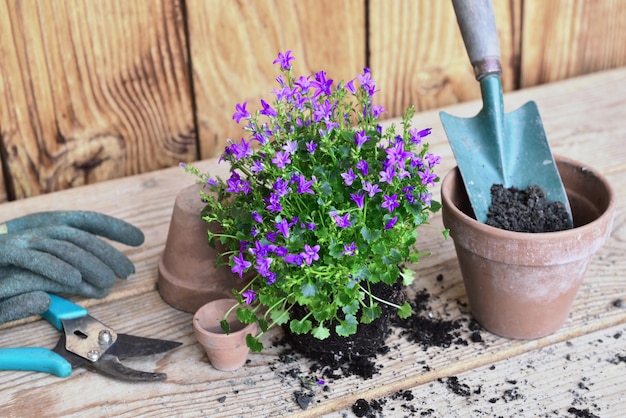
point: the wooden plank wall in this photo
(93, 90)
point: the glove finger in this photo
(44, 264)
(24, 305)
(16, 281)
(91, 268)
(115, 260)
(88, 221)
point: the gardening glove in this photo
(60, 252)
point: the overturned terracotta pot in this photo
(187, 276)
(226, 352)
(522, 285)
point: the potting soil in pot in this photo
(526, 210)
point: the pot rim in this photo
(527, 236)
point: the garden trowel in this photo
(493, 147)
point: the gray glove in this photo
(60, 252)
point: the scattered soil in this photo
(525, 210)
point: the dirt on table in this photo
(526, 210)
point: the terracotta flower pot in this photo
(522, 285)
(187, 276)
(226, 352)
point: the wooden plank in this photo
(417, 54)
(567, 38)
(233, 45)
(565, 379)
(583, 119)
(92, 91)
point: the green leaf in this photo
(370, 235)
(407, 277)
(321, 332)
(225, 326)
(434, 206)
(308, 290)
(351, 309)
(300, 327)
(246, 316)
(405, 310)
(262, 324)
(253, 343)
(446, 233)
(369, 313)
(279, 316)
(347, 326)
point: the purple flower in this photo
(270, 278)
(263, 266)
(432, 159)
(241, 265)
(428, 178)
(242, 150)
(390, 202)
(349, 250)
(241, 112)
(281, 187)
(273, 203)
(310, 146)
(290, 147)
(304, 83)
(363, 166)
(322, 111)
(304, 186)
(322, 84)
(281, 159)
(283, 227)
(249, 296)
(387, 175)
(349, 177)
(284, 60)
(371, 189)
(360, 138)
(212, 182)
(366, 81)
(281, 251)
(256, 167)
(267, 109)
(310, 254)
(341, 221)
(311, 226)
(350, 86)
(396, 154)
(416, 136)
(293, 259)
(256, 216)
(358, 198)
(390, 224)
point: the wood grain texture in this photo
(583, 120)
(233, 45)
(567, 38)
(92, 91)
(418, 58)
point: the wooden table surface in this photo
(579, 370)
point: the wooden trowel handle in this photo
(478, 29)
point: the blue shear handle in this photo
(34, 359)
(62, 309)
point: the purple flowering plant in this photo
(321, 203)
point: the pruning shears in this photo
(85, 342)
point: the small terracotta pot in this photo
(522, 285)
(187, 276)
(226, 352)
